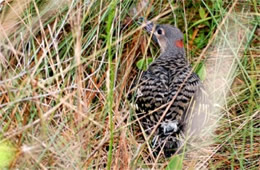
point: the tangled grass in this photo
(66, 71)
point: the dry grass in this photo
(66, 71)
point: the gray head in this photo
(169, 38)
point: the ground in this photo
(67, 68)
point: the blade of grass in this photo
(110, 97)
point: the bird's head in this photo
(169, 38)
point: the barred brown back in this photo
(169, 77)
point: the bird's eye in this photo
(159, 31)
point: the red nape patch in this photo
(179, 43)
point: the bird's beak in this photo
(149, 25)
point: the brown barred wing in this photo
(183, 88)
(152, 93)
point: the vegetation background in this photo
(66, 68)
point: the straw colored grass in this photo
(67, 70)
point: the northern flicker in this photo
(169, 79)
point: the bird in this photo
(168, 80)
